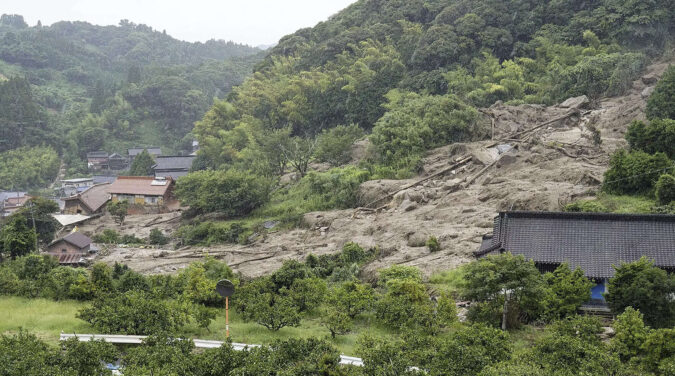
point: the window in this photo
(63, 250)
(150, 199)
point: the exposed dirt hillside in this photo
(526, 167)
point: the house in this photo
(70, 187)
(172, 166)
(11, 202)
(72, 249)
(117, 162)
(89, 202)
(100, 179)
(594, 242)
(147, 192)
(152, 150)
(97, 160)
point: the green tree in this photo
(630, 333)
(506, 284)
(118, 209)
(334, 145)
(336, 320)
(232, 192)
(646, 288)
(40, 210)
(398, 272)
(101, 279)
(135, 312)
(142, 164)
(446, 310)
(405, 304)
(273, 311)
(634, 172)
(665, 189)
(661, 103)
(157, 237)
(352, 297)
(17, 238)
(308, 293)
(658, 349)
(567, 291)
(656, 136)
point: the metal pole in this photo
(227, 317)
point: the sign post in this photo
(225, 288)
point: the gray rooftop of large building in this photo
(174, 163)
(593, 242)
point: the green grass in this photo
(45, 318)
(449, 281)
(626, 204)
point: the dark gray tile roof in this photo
(591, 241)
(153, 150)
(75, 238)
(173, 163)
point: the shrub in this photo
(665, 189)
(398, 272)
(416, 123)
(207, 233)
(135, 312)
(334, 146)
(661, 104)
(634, 172)
(157, 237)
(645, 287)
(406, 304)
(108, 236)
(433, 245)
(352, 253)
(657, 136)
(118, 210)
(233, 192)
(586, 206)
(567, 291)
(336, 188)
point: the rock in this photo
(650, 79)
(647, 92)
(452, 185)
(575, 102)
(468, 210)
(163, 254)
(374, 189)
(408, 206)
(417, 239)
(506, 160)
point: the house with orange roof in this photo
(152, 194)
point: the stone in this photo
(417, 239)
(647, 92)
(452, 185)
(575, 102)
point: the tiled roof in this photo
(68, 258)
(75, 238)
(98, 179)
(139, 185)
(153, 150)
(97, 154)
(591, 241)
(173, 163)
(94, 197)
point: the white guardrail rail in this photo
(200, 343)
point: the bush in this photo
(645, 287)
(634, 172)
(665, 189)
(586, 206)
(334, 146)
(336, 188)
(108, 236)
(567, 291)
(433, 245)
(657, 136)
(233, 192)
(661, 104)
(207, 233)
(398, 272)
(135, 312)
(417, 123)
(352, 253)
(157, 237)
(118, 209)
(406, 304)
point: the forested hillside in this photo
(414, 76)
(79, 87)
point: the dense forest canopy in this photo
(79, 87)
(414, 73)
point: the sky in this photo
(254, 22)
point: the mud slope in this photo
(543, 170)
